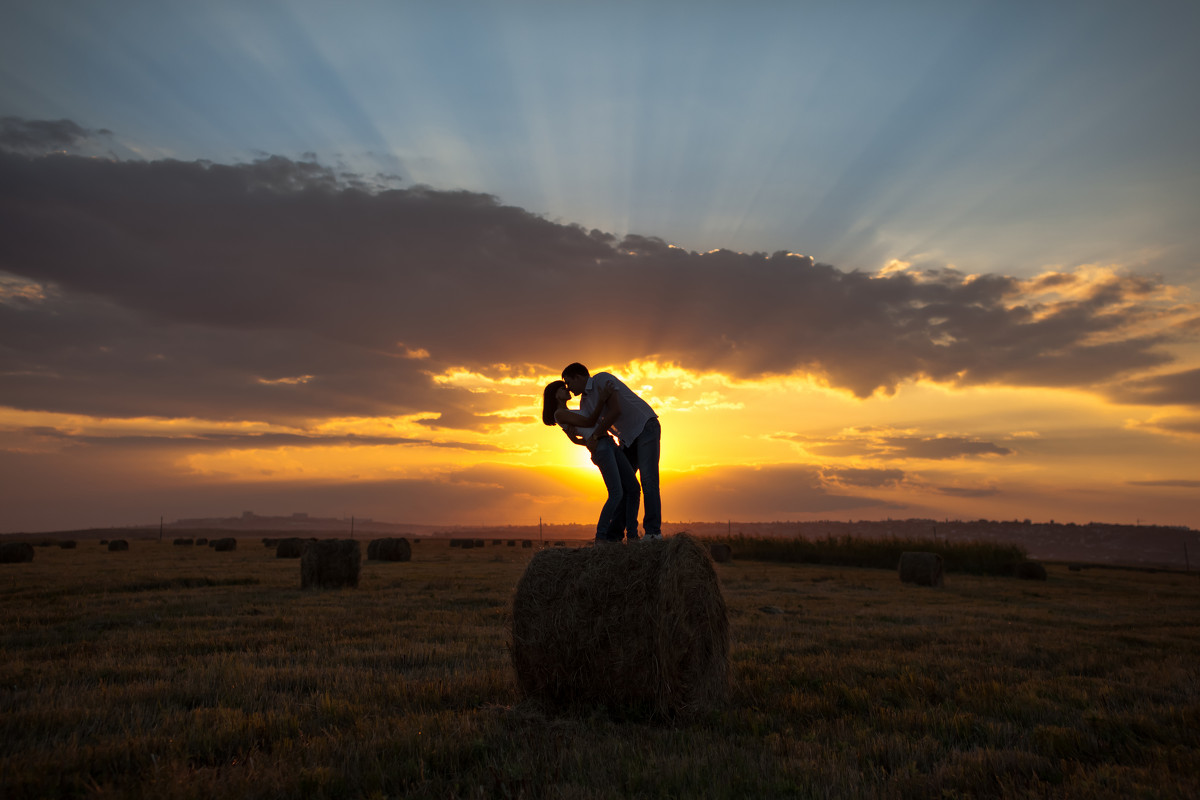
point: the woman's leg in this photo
(632, 498)
(605, 457)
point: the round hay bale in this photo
(1030, 571)
(526, 543)
(289, 548)
(642, 629)
(456, 542)
(15, 552)
(721, 553)
(103, 542)
(922, 569)
(185, 542)
(118, 545)
(1075, 567)
(330, 564)
(270, 542)
(67, 544)
(201, 542)
(467, 544)
(512, 543)
(479, 542)
(224, 545)
(389, 550)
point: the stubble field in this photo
(180, 672)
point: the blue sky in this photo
(994, 136)
(981, 296)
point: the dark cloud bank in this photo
(281, 291)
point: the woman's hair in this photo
(549, 401)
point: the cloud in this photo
(199, 442)
(890, 445)
(1175, 388)
(867, 477)
(169, 288)
(763, 493)
(966, 491)
(1181, 484)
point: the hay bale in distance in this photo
(456, 542)
(1030, 571)
(201, 542)
(224, 545)
(184, 542)
(721, 553)
(330, 564)
(479, 542)
(103, 542)
(467, 544)
(922, 569)
(389, 550)
(118, 545)
(15, 552)
(512, 543)
(526, 543)
(67, 544)
(641, 629)
(289, 548)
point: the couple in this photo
(605, 402)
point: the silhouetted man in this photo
(637, 429)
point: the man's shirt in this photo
(635, 412)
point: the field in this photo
(180, 672)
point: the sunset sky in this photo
(865, 259)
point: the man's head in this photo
(576, 376)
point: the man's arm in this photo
(610, 413)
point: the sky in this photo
(866, 260)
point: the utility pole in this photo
(160, 519)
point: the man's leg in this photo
(643, 455)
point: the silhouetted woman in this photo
(620, 510)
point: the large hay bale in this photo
(389, 550)
(118, 545)
(185, 542)
(67, 544)
(923, 569)
(1030, 571)
(721, 553)
(456, 542)
(641, 629)
(330, 564)
(289, 548)
(201, 542)
(467, 544)
(15, 552)
(224, 545)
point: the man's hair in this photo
(549, 401)
(576, 369)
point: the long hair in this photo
(549, 401)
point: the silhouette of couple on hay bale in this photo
(606, 406)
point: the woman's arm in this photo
(566, 417)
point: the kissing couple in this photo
(606, 404)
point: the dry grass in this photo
(184, 673)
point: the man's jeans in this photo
(621, 508)
(643, 457)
